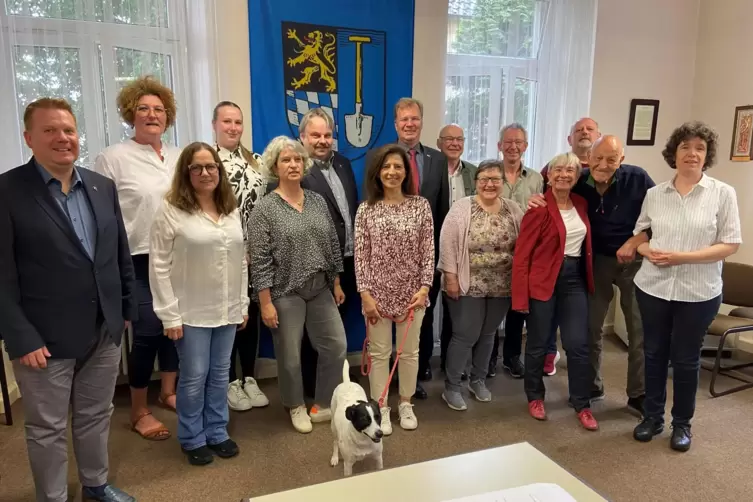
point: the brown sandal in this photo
(156, 433)
(162, 400)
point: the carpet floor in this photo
(274, 457)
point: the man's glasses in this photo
(452, 139)
(197, 169)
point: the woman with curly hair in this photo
(142, 168)
(295, 264)
(694, 225)
(249, 185)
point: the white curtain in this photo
(86, 50)
(565, 75)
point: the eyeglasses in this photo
(144, 110)
(198, 169)
(563, 170)
(517, 142)
(486, 181)
(450, 139)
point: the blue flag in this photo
(353, 59)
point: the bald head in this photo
(605, 158)
(451, 142)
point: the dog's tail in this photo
(346, 371)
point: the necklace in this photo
(295, 203)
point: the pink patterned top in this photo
(394, 252)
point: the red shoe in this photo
(536, 409)
(587, 420)
(550, 363)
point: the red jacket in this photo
(540, 251)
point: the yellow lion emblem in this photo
(321, 55)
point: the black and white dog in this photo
(356, 425)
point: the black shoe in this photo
(636, 403)
(514, 367)
(492, 369)
(225, 449)
(647, 429)
(107, 494)
(424, 376)
(199, 456)
(420, 392)
(680, 438)
(597, 395)
(464, 376)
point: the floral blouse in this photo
(248, 183)
(491, 242)
(394, 252)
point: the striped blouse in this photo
(706, 216)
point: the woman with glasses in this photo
(475, 257)
(142, 167)
(198, 276)
(552, 272)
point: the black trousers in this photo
(246, 346)
(426, 339)
(309, 356)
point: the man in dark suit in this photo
(65, 299)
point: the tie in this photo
(414, 172)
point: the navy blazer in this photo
(51, 292)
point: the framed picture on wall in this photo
(644, 114)
(742, 143)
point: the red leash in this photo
(366, 357)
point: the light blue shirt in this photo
(75, 205)
(333, 180)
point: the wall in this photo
(722, 82)
(645, 49)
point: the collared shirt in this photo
(76, 206)
(142, 180)
(613, 215)
(529, 182)
(457, 185)
(197, 268)
(249, 185)
(419, 149)
(707, 215)
(336, 185)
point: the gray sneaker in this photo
(479, 391)
(454, 400)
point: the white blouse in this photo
(197, 269)
(142, 180)
(707, 215)
(248, 183)
(575, 231)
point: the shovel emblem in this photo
(358, 125)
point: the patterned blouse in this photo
(286, 247)
(248, 184)
(491, 242)
(394, 252)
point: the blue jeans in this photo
(673, 331)
(570, 301)
(204, 355)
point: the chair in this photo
(4, 388)
(737, 291)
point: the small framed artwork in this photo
(742, 143)
(644, 114)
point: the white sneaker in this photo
(301, 420)
(386, 422)
(237, 400)
(408, 420)
(319, 415)
(254, 393)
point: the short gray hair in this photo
(407, 103)
(487, 165)
(315, 112)
(572, 127)
(568, 159)
(515, 126)
(272, 154)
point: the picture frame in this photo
(644, 115)
(741, 149)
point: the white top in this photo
(707, 215)
(576, 232)
(142, 180)
(457, 186)
(197, 269)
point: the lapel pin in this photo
(94, 187)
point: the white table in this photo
(446, 479)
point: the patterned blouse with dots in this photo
(286, 246)
(248, 183)
(394, 252)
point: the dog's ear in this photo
(349, 411)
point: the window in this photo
(492, 64)
(85, 51)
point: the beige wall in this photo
(724, 80)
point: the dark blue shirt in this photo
(75, 205)
(613, 215)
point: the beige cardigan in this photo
(453, 240)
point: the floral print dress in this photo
(491, 242)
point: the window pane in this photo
(55, 9)
(467, 103)
(140, 12)
(491, 27)
(524, 109)
(55, 72)
(136, 12)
